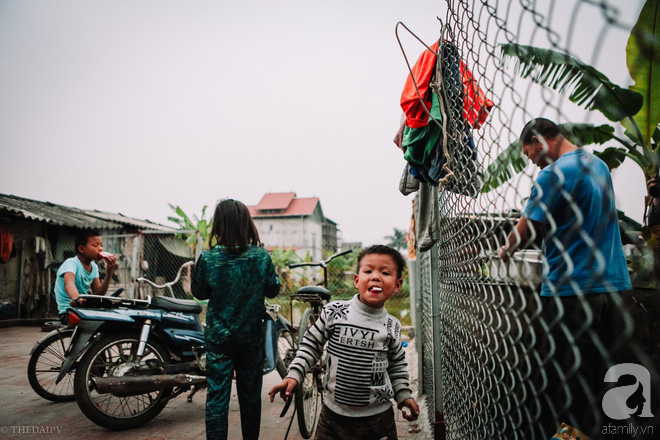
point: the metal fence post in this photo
(135, 263)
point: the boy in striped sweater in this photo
(365, 365)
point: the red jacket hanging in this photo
(475, 104)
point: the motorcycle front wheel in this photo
(45, 364)
(307, 393)
(105, 358)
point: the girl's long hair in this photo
(233, 227)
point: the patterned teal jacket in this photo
(235, 285)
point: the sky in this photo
(128, 106)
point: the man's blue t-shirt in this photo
(84, 279)
(574, 199)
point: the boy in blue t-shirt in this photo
(77, 274)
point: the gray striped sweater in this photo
(365, 364)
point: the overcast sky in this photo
(126, 106)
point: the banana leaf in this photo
(612, 156)
(506, 165)
(585, 85)
(643, 60)
(587, 134)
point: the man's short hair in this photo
(539, 127)
(384, 250)
(83, 236)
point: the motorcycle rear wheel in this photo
(108, 410)
(44, 367)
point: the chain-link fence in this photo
(520, 316)
(156, 256)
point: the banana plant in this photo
(198, 224)
(637, 108)
(281, 259)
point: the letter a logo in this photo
(615, 401)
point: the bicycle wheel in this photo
(287, 346)
(307, 392)
(45, 364)
(109, 356)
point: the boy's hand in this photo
(111, 263)
(77, 302)
(285, 388)
(412, 406)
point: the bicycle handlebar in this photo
(171, 283)
(321, 263)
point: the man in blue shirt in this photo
(572, 205)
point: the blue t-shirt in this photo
(574, 199)
(84, 279)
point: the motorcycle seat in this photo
(322, 292)
(175, 305)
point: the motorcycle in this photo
(137, 355)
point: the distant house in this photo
(287, 221)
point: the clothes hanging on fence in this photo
(427, 217)
(408, 184)
(476, 105)
(43, 251)
(6, 245)
(411, 237)
(442, 150)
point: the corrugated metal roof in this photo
(60, 215)
(129, 221)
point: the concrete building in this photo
(287, 221)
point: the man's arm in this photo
(523, 233)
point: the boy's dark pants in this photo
(249, 376)
(332, 426)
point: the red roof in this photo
(277, 201)
(284, 205)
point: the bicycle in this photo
(311, 389)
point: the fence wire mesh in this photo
(499, 359)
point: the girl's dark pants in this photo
(248, 365)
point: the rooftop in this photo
(284, 205)
(61, 215)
